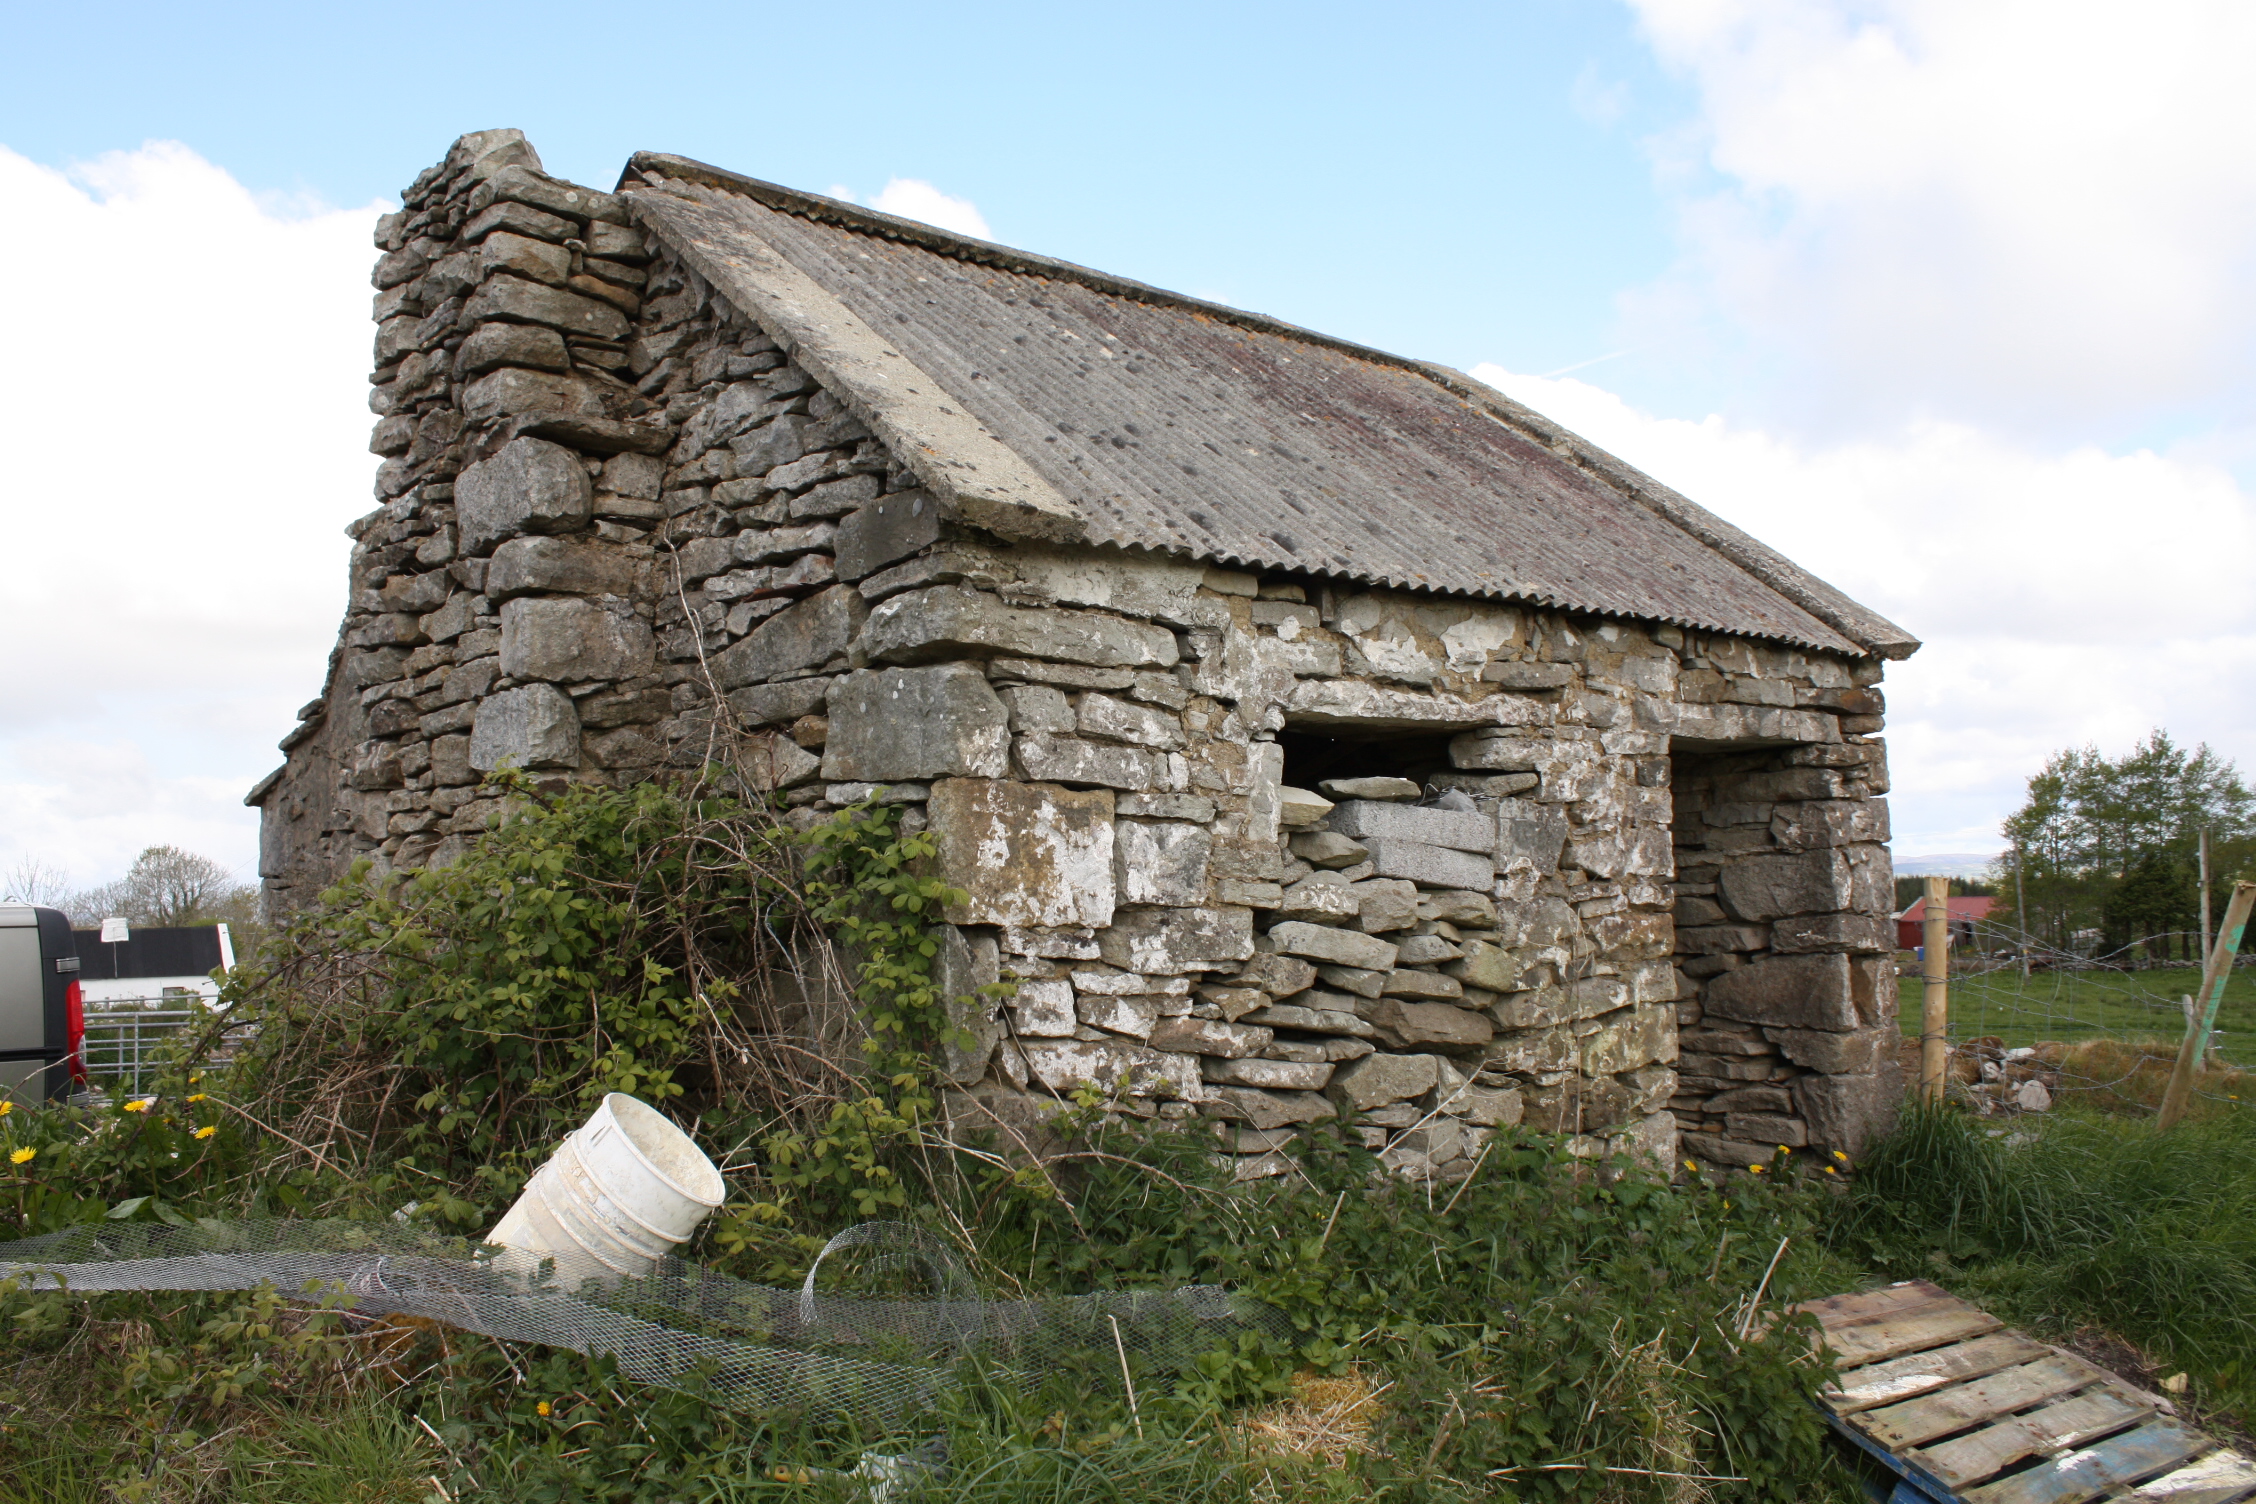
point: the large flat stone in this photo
(1117, 1067)
(513, 300)
(1316, 902)
(1421, 986)
(1858, 1054)
(1044, 1008)
(1161, 862)
(1279, 976)
(1485, 1108)
(799, 640)
(1024, 854)
(1492, 968)
(770, 760)
(1849, 1112)
(1377, 1080)
(1210, 1036)
(1790, 992)
(1529, 832)
(1364, 706)
(1417, 1026)
(529, 487)
(968, 964)
(1262, 1109)
(772, 704)
(1271, 1075)
(1832, 822)
(885, 531)
(531, 727)
(1430, 866)
(1339, 947)
(1169, 942)
(1133, 1016)
(1541, 1006)
(514, 392)
(1384, 905)
(915, 723)
(1774, 886)
(1311, 1021)
(561, 566)
(1865, 934)
(1073, 759)
(1630, 1038)
(573, 640)
(1459, 830)
(949, 620)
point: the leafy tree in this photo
(2109, 844)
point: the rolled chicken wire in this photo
(749, 1347)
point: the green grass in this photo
(2079, 1220)
(2074, 1005)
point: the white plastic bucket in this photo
(619, 1193)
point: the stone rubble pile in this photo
(622, 531)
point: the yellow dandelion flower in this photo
(23, 1156)
(542, 1410)
(1830, 1170)
(139, 1104)
(1754, 1169)
(1837, 1154)
(1784, 1150)
(6, 1108)
(201, 1096)
(206, 1131)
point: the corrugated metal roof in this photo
(1159, 422)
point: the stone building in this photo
(1310, 728)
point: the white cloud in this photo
(913, 198)
(2063, 597)
(187, 431)
(2037, 213)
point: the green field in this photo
(2084, 1005)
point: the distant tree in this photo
(2110, 844)
(32, 881)
(168, 886)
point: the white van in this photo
(42, 1017)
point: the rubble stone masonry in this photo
(1255, 850)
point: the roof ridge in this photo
(963, 247)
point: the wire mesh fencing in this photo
(876, 1354)
(2091, 1022)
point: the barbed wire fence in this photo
(2084, 1022)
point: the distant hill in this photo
(1970, 865)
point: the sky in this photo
(1952, 301)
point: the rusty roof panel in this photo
(1232, 439)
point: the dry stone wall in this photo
(1256, 851)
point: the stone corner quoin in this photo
(1257, 849)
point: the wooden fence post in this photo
(2203, 1016)
(1934, 1008)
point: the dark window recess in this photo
(1312, 757)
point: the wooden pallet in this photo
(1964, 1411)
